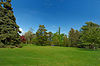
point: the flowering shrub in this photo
(23, 39)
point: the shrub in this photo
(1, 45)
(19, 46)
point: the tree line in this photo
(87, 37)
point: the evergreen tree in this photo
(9, 30)
(42, 35)
(59, 31)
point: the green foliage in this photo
(74, 37)
(35, 41)
(28, 36)
(60, 40)
(59, 31)
(8, 28)
(66, 42)
(42, 36)
(89, 36)
(1, 45)
(55, 39)
(90, 33)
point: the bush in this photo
(80, 45)
(9, 46)
(1, 45)
(19, 46)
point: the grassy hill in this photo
(48, 56)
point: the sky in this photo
(54, 13)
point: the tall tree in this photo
(59, 31)
(90, 34)
(9, 30)
(41, 35)
(72, 37)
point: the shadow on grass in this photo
(86, 49)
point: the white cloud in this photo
(21, 31)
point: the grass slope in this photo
(48, 56)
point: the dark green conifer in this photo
(59, 30)
(9, 30)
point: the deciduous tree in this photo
(90, 35)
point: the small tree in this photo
(28, 36)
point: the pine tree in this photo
(9, 30)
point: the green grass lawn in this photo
(48, 56)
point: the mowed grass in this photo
(48, 56)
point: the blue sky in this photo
(55, 13)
